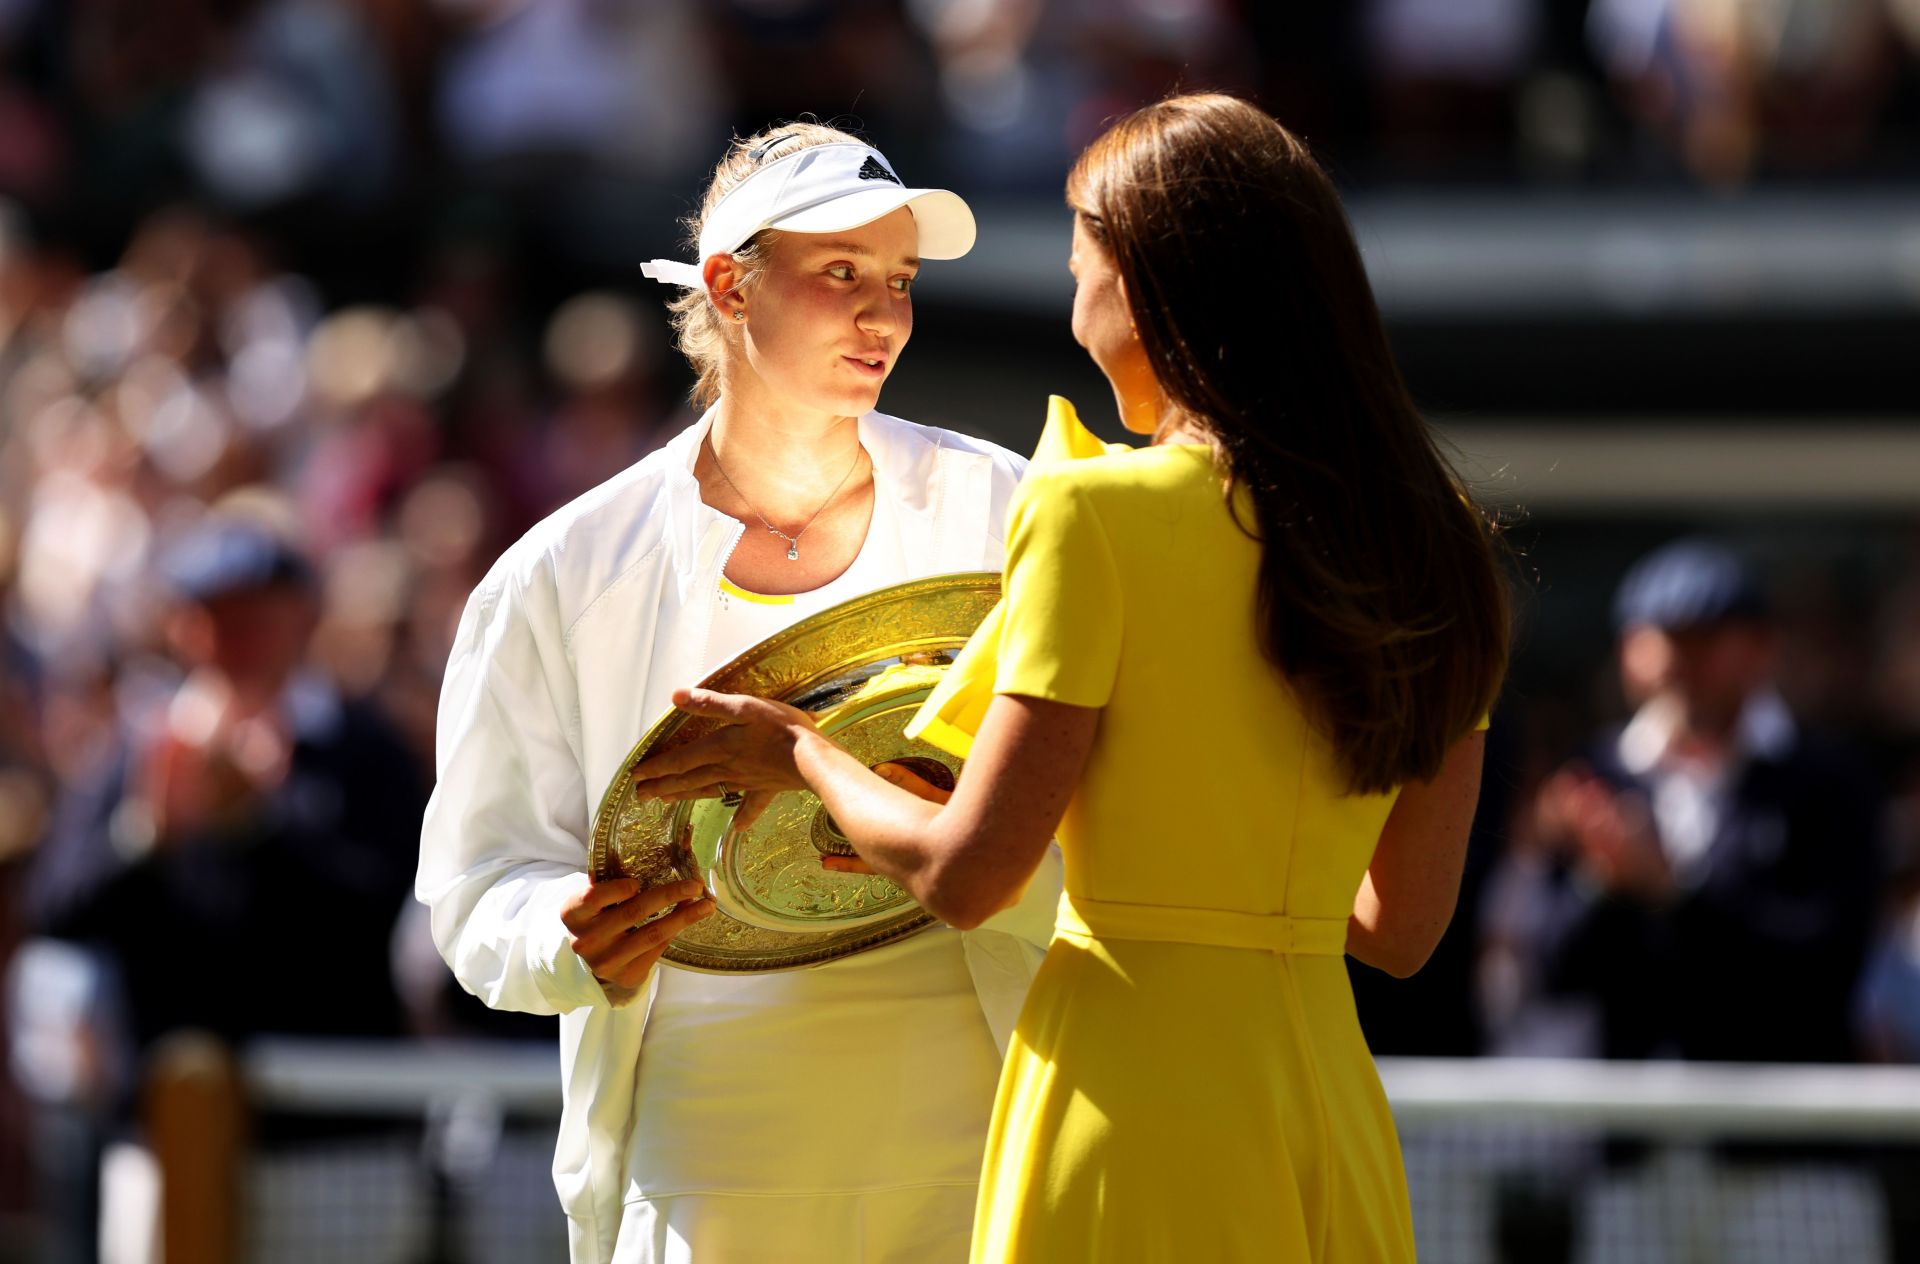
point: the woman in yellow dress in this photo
(1241, 673)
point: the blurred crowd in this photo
(236, 531)
(309, 307)
(372, 117)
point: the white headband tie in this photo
(822, 189)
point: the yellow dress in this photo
(1188, 1081)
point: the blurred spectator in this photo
(372, 433)
(251, 778)
(1023, 85)
(1705, 882)
(831, 58)
(1890, 998)
(603, 356)
(627, 85)
(1890, 995)
(1446, 73)
(1729, 84)
(299, 107)
(236, 866)
(24, 796)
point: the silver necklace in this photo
(793, 541)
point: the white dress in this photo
(788, 1116)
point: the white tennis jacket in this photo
(567, 651)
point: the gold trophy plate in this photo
(860, 669)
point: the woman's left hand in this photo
(751, 754)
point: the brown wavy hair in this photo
(1381, 592)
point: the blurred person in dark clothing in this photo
(1889, 1001)
(1719, 866)
(235, 870)
(264, 809)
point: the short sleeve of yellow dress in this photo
(1188, 1080)
(1055, 633)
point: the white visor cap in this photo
(822, 189)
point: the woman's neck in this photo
(1172, 426)
(1145, 409)
(1181, 430)
(784, 463)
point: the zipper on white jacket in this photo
(710, 588)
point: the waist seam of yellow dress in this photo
(1186, 924)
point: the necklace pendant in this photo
(793, 552)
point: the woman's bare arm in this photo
(963, 860)
(968, 859)
(1408, 894)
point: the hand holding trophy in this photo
(702, 798)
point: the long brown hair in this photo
(1381, 596)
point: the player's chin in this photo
(855, 402)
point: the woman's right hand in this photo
(606, 919)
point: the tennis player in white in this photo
(836, 1114)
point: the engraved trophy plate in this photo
(861, 669)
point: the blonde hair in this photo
(698, 329)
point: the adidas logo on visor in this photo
(872, 170)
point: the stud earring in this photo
(739, 313)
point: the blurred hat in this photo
(1687, 583)
(220, 556)
(822, 189)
